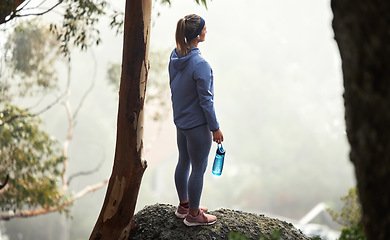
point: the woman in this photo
(192, 93)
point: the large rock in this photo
(159, 222)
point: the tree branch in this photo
(91, 188)
(41, 211)
(84, 173)
(13, 118)
(9, 11)
(39, 5)
(71, 119)
(49, 106)
(5, 182)
(41, 13)
(34, 114)
(87, 92)
(69, 134)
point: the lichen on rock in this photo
(158, 221)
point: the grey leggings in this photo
(194, 148)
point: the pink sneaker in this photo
(181, 212)
(201, 219)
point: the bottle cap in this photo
(220, 150)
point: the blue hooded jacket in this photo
(192, 90)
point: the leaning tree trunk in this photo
(116, 215)
(362, 31)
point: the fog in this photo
(278, 98)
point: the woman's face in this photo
(202, 35)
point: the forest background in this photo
(278, 88)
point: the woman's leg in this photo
(182, 167)
(199, 142)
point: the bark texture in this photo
(8, 9)
(115, 219)
(362, 31)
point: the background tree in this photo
(351, 212)
(35, 163)
(30, 55)
(29, 58)
(350, 217)
(362, 33)
(79, 19)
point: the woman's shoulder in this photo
(201, 68)
(198, 56)
(201, 61)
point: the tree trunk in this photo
(115, 219)
(362, 31)
(7, 9)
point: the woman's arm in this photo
(203, 77)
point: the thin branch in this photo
(50, 105)
(39, 5)
(5, 182)
(70, 132)
(42, 13)
(41, 211)
(88, 91)
(13, 118)
(36, 104)
(84, 173)
(91, 188)
(24, 5)
(34, 114)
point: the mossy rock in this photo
(159, 222)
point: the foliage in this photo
(204, 2)
(233, 235)
(30, 55)
(351, 213)
(117, 21)
(79, 24)
(114, 75)
(31, 159)
(354, 232)
(350, 216)
(275, 235)
(80, 19)
(118, 16)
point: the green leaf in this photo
(31, 158)
(204, 2)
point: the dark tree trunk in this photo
(115, 219)
(7, 9)
(362, 31)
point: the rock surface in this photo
(159, 222)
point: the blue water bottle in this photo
(218, 160)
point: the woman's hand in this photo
(218, 136)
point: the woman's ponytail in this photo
(181, 44)
(186, 30)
